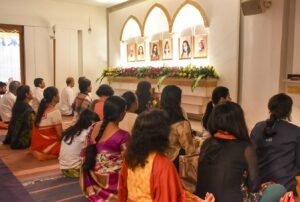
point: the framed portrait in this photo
(167, 49)
(131, 52)
(155, 50)
(200, 46)
(140, 52)
(185, 47)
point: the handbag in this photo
(188, 171)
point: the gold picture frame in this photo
(131, 53)
(185, 45)
(200, 46)
(155, 50)
(140, 51)
(167, 49)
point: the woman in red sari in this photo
(47, 129)
(148, 175)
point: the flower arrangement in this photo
(189, 72)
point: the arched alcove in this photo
(157, 22)
(132, 28)
(189, 19)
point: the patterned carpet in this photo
(55, 189)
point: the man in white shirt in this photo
(37, 93)
(8, 100)
(3, 89)
(67, 98)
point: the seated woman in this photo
(72, 142)
(220, 94)
(146, 174)
(180, 138)
(104, 91)
(278, 144)
(83, 100)
(20, 127)
(130, 116)
(144, 95)
(47, 128)
(102, 153)
(227, 155)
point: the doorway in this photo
(12, 65)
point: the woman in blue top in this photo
(278, 144)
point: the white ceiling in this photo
(106, 3)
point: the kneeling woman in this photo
(102, 156)
(227, 155)
(72, 142)
(20, 126)
(47, 129)
(146, 174)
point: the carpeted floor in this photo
(10, 187)
(55, 189)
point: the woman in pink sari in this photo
(102, 153)
(47, 129)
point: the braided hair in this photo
(114, 106)
(49, 94)
(280, 107)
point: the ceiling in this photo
(106, 3)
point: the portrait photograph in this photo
(167, 49)
(200, 46)
(131, 52)
(140, 52)
(155, 50)
(185, 47)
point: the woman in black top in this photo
(278, 144)
(226, 156)
(220, 94)
(144, 95)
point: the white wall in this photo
(38, 16)
(223, 34)
(261, 52)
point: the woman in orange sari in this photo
(47, 129)
(147, 174)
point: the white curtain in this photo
(9, 57)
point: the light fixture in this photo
(89, 29)
(111, 1)
(52, 36)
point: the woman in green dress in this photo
(19, 129)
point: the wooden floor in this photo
(23, 165)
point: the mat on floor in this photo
(55, 189)
(11, 188)
(2, 137)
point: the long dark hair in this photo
(225, 117)
(49, 93)
(20, 105)
(86, 119)
(149, 134)
(171, 102)
(218, 93)
(143, 94)
(280, 107)
(130, 98)
(114, 106)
